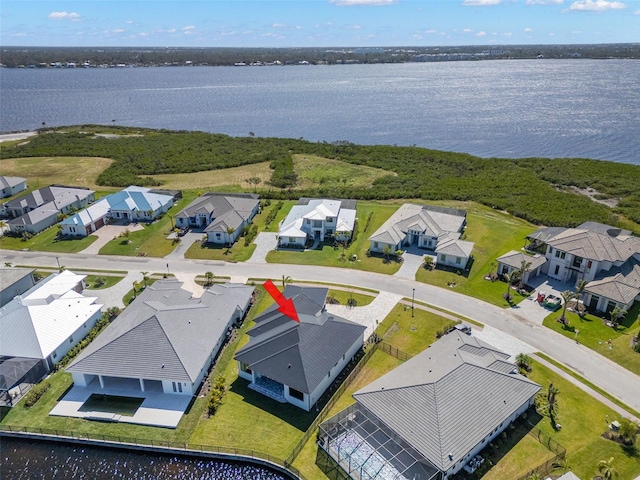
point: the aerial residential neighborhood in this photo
(342, 338)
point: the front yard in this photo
(494, 233)
(328, 255)
(595, 334)
(48, 241)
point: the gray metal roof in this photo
(61, 195)
(448, 398)
(299, 355)
(10, 182)
(36, 215)
(11, 275)
(164, 334)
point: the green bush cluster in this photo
(93, 333)
(272, 214)
(250, 235)
(535, 189)
(36, 393)
(215, 397)
(283, 175)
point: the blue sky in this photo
(316, 23)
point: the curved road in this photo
(599, 370)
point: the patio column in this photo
(142, 384)
(101, 381)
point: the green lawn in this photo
(110, 281)
(594, 334)
(151, 240)
(583, 421)
(343, 297)
(47, 241)
(332, 256)
(494, 233)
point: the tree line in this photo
(535, 189)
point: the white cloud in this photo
(188, 28)
(480, 3)
(171, 30)
(129, 22)
(143, 34)
(20, 34)
(544, 2)
(118, 30)
(507, 34)
(73, 16)
(528, 29)
(279, 25)
(350, 3)
(467, 30)
(595, 6)
(431, 31)
(637, 12)
(481, 34)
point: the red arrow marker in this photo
(285, 305)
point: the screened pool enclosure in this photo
(365, 449)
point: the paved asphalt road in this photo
(604, 373)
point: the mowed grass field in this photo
(44, 171)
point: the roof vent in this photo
(289, 366)
(163, 365)
(451, 457)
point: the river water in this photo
(508, 108)
(29, 460)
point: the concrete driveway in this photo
(265, 242)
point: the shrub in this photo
(36, 393)
(215, 397)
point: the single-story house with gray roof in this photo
(435, 229)
(12, 185)
(165, 340)
(39, 209)
(219, 213)
(431, 415)
(295, 362)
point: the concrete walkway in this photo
(112, 296)
(265, 242)
(368, 315)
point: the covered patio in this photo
(157, 409)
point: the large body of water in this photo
(547, 108)
(29, 460)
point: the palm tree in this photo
(3, 224)
(616, 314)
(230, 231)
(534, 476)
(523, 361)
(509, 278)
(606, 468)
(285, 281)
(145, 278)
(628, 431)
(208, 276)
(567, 296)
(524, 268)
(386, 252)
(582, 284)
(254, 181)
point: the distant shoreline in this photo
(9, 137)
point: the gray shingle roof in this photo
(10, 182)
(621, 284)
(229, 209)
(594, 245)
(299, 355)
(449, 398)
(514, 259)
(432, 221)
(164, 334)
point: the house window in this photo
(375, 244)
(329, 374)
(180, 387)
(317, 223)
(218, 236)
(443, 257)
(174, 387)
(71, 339)
(329, 231)
(560, 254)
(329, 219)
(308, 222)
(296, 394)
(458, 260)
(292, 239)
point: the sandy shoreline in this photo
(7, 137)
